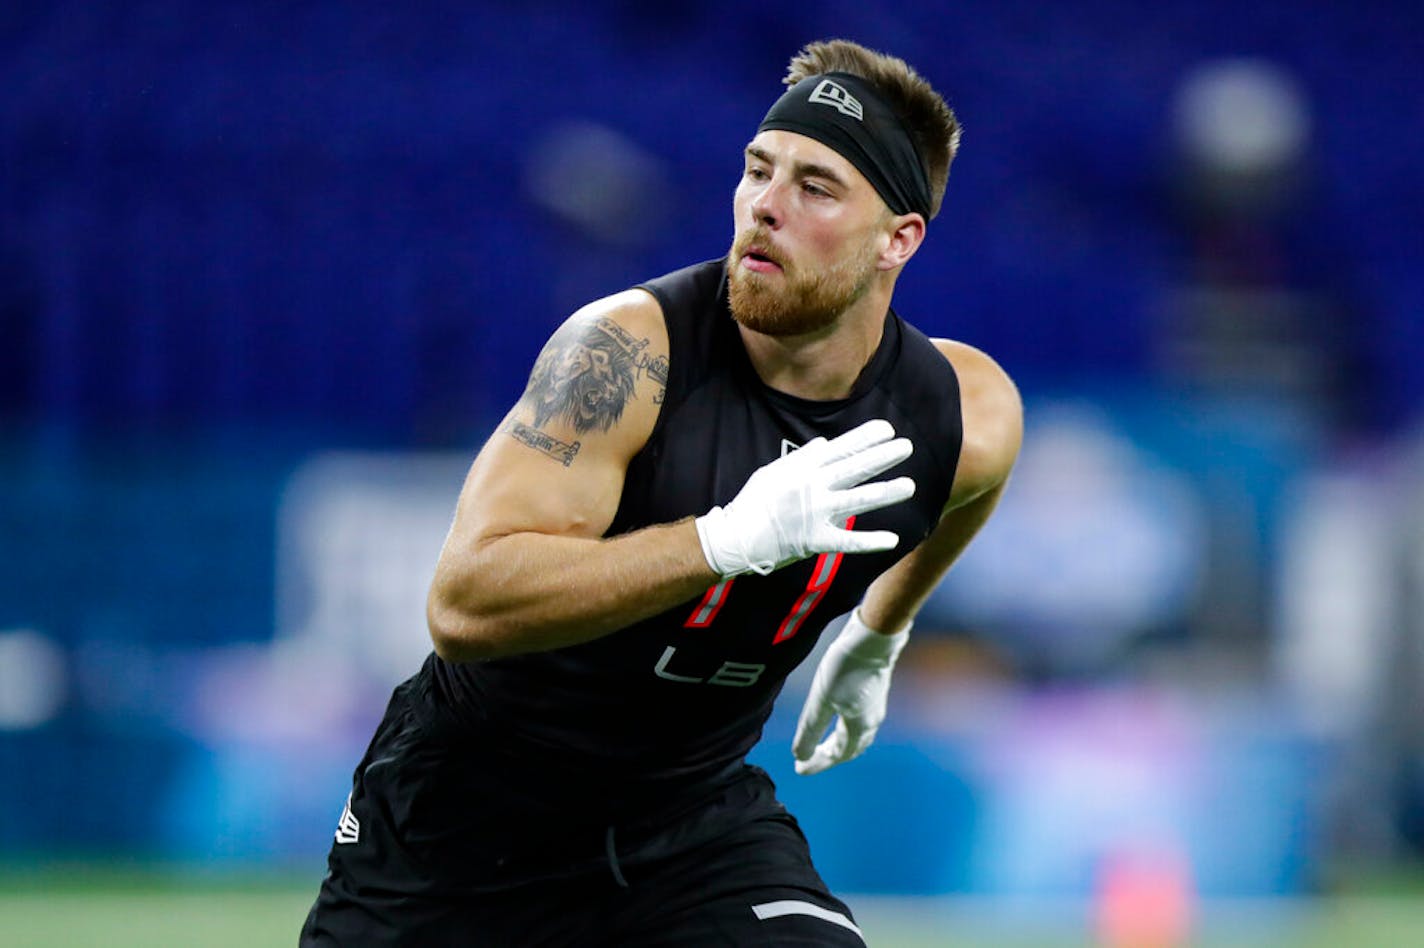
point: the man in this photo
(654, 538)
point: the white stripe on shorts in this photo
(768, 910)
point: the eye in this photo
(815, 190)
(756, 174)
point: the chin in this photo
(784, 324)
(773, 313)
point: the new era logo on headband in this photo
(836, 95)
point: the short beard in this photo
(805, 303)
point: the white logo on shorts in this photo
(838, 97)
(348, 828)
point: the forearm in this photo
(531, 592)
(895, 598)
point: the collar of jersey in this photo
(869, 376)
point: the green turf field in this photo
(117, 909)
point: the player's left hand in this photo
(852, 681)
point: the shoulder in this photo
(992, 419)
(628, 324)
(602, 372)
(635, 311)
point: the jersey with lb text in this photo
(672, 703)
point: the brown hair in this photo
(932, 124)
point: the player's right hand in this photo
(795, 506)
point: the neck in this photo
(823, 365)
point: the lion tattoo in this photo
(585, 381)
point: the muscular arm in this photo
(993, 431)
(524, 567)
(852, 681)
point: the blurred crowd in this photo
(268, 278)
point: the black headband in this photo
(846, 113)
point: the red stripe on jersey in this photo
(822, 576)
(710, 605)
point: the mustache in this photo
(760, 239)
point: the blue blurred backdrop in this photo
(270, 272)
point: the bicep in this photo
(520, 483)
(556, 463)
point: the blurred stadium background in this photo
(269, 273)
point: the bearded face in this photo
(797, 300)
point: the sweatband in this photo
(847, 114)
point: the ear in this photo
(905, 236)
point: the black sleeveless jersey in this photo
(675, 701)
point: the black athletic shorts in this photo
(433, 849)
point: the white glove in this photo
(795, 506)
(853, 680)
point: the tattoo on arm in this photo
(587, 373)
(657, 370)
(561, 451)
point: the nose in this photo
(766, 205)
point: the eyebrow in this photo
(802, 169)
